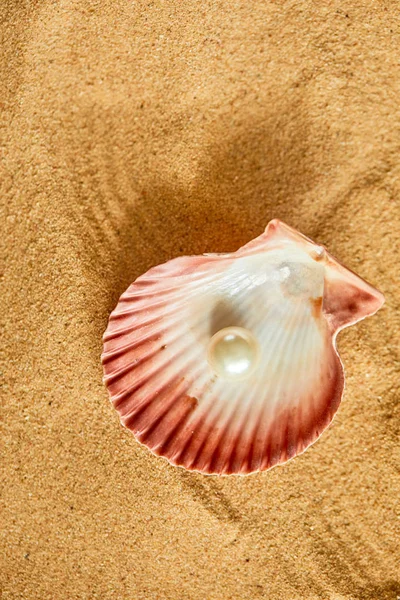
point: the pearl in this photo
(233, 353)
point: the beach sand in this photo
(134, 132)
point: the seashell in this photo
(227, 363)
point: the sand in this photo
(133, 132)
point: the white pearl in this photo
(233, 353)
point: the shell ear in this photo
(279, 230)
(347, 297)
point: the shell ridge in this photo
(128, 417)
(147, 418)
(273, 430)
(132, 313)
(230, 412)
(212, 456)
(166, 390)
(197, 425)
(156, 306)
(270, 359)
(164, 411)
(201, 429)
(191, 405)
(228, 458)
(276, 426)
(298, 339)
(166, 447)
(140, 287)
(109, 355)
(265, 407)
(303, 342)
(141, 379)
(252, 408)
(291, 432)
(112, 333)
(181, 438)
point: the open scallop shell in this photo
(290, 296)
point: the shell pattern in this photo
(290, 296)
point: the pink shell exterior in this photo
(159, 381)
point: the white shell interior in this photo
(272, 296)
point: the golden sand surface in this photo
(135, 131)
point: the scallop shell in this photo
(290, 295)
